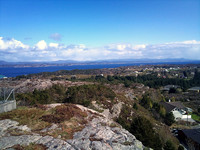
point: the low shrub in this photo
(64, 113)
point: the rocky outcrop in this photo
(113, 112)
(100, 133)
(28, 85)
(99, 136)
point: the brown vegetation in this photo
(68, 117)
(64, 113)
(30, 147)
(27, 116)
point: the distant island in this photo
(112, 61)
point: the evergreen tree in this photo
(180, 147)
(143, 130)
(135, 106)
(169, 146)
(169, 119)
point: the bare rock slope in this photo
(100, 133)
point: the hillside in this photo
(109, 106)
(71, 127)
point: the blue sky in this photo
(98, 25)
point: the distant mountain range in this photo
(111, 61)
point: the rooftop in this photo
(177, 104)
(167, 87)
(169, 106)
(194, 88)
(194, 134)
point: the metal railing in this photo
(7, 94)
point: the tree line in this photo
(150, 80)
(82, 94)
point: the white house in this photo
(178, 110)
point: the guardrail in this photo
(8, 106)
(7, 99)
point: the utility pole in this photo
(13, 94)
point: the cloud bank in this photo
(14, 50)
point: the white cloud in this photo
(11, 49)
(121, 46)
(11, 44)
(41, 45)
(82, 46)
(54, 45)
(137, 47)
(186, 42)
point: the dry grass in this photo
(166, 135)
(69, 118)
(180, 126)
(69, 128)
(113, 125)
(27, 116)
(17, 132)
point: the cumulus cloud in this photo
(11, 44)
(54, 45)
(41, 45)
(137, 47)
(11, 49)
(55, 36)
(123, 47)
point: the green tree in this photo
(172, 90)
(123, 118)
(185, 73)
(84, 94)
(162, 111)
(110, 78)
(135, 106)
(146, 102)
(169, 119)
(169, 146)
(180, 147)
(127, 83)
(198, 110)
(173, 99)
(143, 130)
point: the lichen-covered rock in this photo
(9, 141)
(98, 135)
